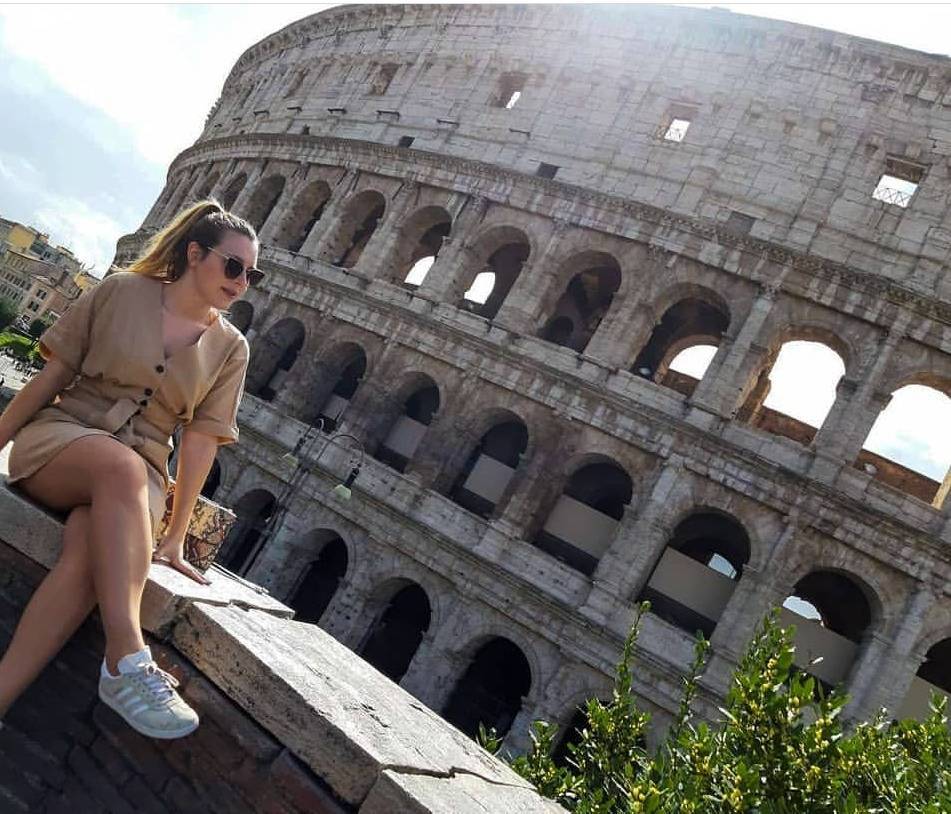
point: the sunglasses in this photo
(234, 269)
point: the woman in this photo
(145, 351)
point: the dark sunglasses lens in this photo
(255, 277)
(233, 269)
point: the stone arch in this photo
(254, 509)
(398, 627)
(582, 524)
(833, 612)
(213, 481)
(907, 452)
(490, 466)
(801, 428)
(696, 574)
(318, 581)
(594, 278)
(207, 185)
(241, 315)
(418, 399)
(696, 317)
(340, 372)
(491, 689)
(304, 213)
(263, 200)
(498, 256)
(932, 676)
(273, 356)
(420, 238)
(233, 190)
(353, 228)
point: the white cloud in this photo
(155, 69)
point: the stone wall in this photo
(269, 740)
(756, 229)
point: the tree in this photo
(37, 326)
(8, 313)
(780, 748)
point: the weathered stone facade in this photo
(362, 139)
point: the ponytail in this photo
(165, 255)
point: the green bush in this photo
(780, 748)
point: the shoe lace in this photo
(159, 685)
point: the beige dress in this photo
(126, 388)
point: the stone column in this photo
(455, 257)
(292, 189)
(626, 566)
(521, 310)
(341, 617)
(857, 406)
(723, 390)
(378, 255)
(339, 196)
(886, 667)
(241, 202)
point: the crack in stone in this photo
(448, 775)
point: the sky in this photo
(97, 100)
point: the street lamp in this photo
(302, 468)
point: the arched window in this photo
(586, 300)
(491, 690)
(241, 315)
(688, 324)
(273, 356)
(909, 446)
(396, 633)
(490, 467)
(264, 199)
(253, 511)
(233, 190)
(303, 214)
(844, 617)
(320, 580)
(421, 238)
(404, 437)
(491, 267)
(793, 396)
(696, 575)
(933, 676)
(583, 522)
(358, 221)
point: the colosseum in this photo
(489, 232)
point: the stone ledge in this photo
(375, 745)
(37, 533)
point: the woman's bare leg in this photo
(113, 480)
(57, 608)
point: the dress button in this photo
(144, 402)
(160, 368)
(148, 391)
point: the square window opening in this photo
(676, 130)
(511, 87)
(894, 190)
(406, 141)
(546, 170)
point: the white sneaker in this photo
(144, 695)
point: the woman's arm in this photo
(33, 396)
(196, 454)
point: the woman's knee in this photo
(120, 471)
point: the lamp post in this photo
(302, 468)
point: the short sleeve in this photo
(68, 338)
(217, 413)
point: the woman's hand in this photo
(171, 551)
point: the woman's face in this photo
(209, 272)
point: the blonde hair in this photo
(165, 255)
